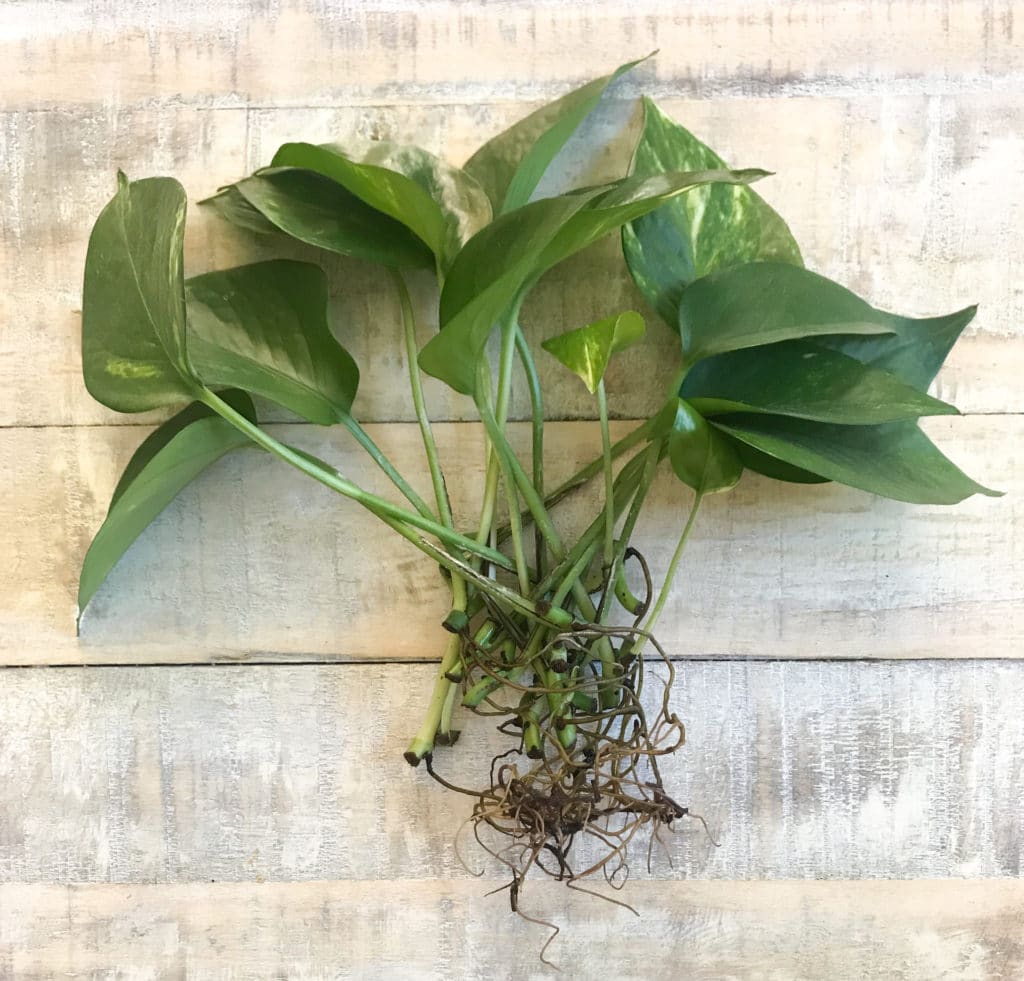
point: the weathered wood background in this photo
(208, 783)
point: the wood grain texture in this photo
(897, 132)
(369, 51)
(797, 931)
(245, 773)
(900, 197)
(256, 561)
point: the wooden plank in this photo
(926, 170)
(249, 773)
(255, 561)
(803, 931)
(396, 50)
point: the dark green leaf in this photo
(462, 201)
(914, 351)
(232, 204)
(716, 227)
(263, 328)
(766, 302)
(163, 434)
(700, 456)
(510, 166)
(893, 460)
(772, 467)
(587, 350)
(529, 241)
(387, 191)
(799, 378)
(133, 309)
(318, 211)
(169, 460)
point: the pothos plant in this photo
(780, 371)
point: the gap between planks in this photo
(284, 661)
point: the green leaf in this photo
(510, 166)
(387, 191)
(318, 211)
(528, 242)
(263, 328)
(464, 206)
(771, 467)
(914, 351)
(169, 459)
(700, 456)
(766, 302)
(802, 379)
(133, 311)
(587, 350)
(230, 203)
(894, 460)
(716, 227)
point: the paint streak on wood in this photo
(256, 561)
(798, 931)
(241, 52)
(240, 773)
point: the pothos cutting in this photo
(780, 371)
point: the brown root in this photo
(569, 804)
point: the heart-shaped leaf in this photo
(510, 166)
(397, 205)
(133, 310)
(387, 191)
(766, 302)
(802, 379)
(587, 350)
(530, 240)
(894, 460)
(169, 459)
(701, 457)
(462, 201)
(263, 328)
(318, 211)
(716, 227)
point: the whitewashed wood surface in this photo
(883, 742)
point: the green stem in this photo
(596, 465)
(522, 569)
(504, 394)
(377, 455)
(666, 586)
(444, 508)
(587, 473)
(508, 459)
(490, 498)
(625, 485)
(392, 514)
(651, 457)
(423, 742)
(551, 615)
(609, 480)
(537, 433)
